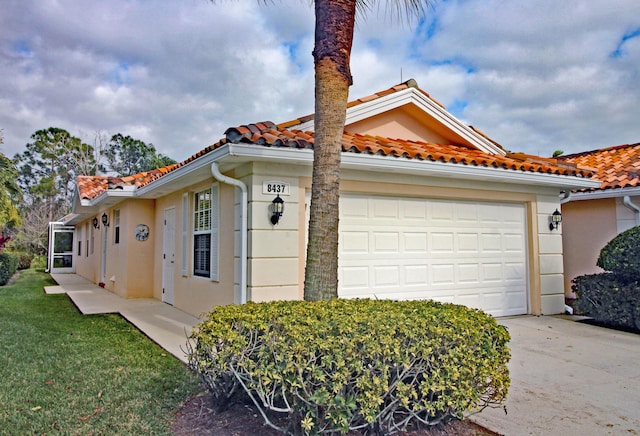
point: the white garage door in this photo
(471, 253)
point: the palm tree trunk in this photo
(332, 51)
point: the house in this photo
(594, 216)
(430, 208)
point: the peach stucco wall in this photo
(193, 294)
(587, 226)
(86, 261)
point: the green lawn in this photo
(66, 373)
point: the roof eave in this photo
(605, 193)
(416, 167)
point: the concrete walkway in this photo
(164, 324)
(569, 378)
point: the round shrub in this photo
(24, 260)
(621, 256)
(604, 298)
(371, 365)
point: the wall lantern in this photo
(556, 219)
(105, 220)
(95, 223)
(278, 209)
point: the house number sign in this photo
(279, 188)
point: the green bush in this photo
(39, 262)
(334, 366)
(24, 260)
(621, 256)
(607, 300)
(613, 298)
(8, 266)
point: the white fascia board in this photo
(411, 95)
(604, 193)
(113, 193)
(461, 171)
(392, 164)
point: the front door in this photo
(168, 254)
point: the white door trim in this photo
(168, 255)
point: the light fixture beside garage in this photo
(105, 220)
(556, 219)
(95, 223)
(277, 209)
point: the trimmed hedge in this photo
(608, 300)
(613, 298)
(621, 256)
(8, 266)
(370, 365)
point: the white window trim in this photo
(185, 233)
(116, 226)
(213, 232)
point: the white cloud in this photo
(533, 75)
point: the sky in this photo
(535, 76)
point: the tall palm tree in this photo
(335, 21)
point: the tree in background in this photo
(127, 156)
(334, 28)
(47, 173)
(49, 167)
(9, 197)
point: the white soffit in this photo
(397, 99)
(604, 193)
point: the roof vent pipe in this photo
(215, 172)
(634, 207)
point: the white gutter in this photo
(215, 171)
(605, 193)
(417, 167)
(567, 196)
(634, 207)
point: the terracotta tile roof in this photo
(411, 83)
(617, 167)
(267, 134)
(92, 186)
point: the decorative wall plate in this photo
(142, 232)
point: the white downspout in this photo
(566, 197)
(215, 171)
(634, 207)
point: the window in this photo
(205, 233)
(79, 230)
(116, 226)
(86, 246)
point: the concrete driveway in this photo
(569, 378)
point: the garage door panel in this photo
(386, 276)
(440, 211)
(416, 275)
(471, 253)
(490, 243)
(468, 243)
(442, 242)
(386, 242)
(469, 273)
(414, 210)
(513, 243)
(354, 242)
